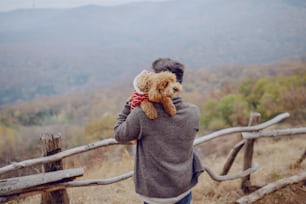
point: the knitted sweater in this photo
(165, 164)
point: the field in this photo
(225, 97)
(276, 157)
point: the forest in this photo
(226, 95)
(58, 51)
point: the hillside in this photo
(59, 51)
(225, 94)
(275, 163)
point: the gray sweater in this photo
(166, 165)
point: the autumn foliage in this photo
(226, 95)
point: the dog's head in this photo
(163, 85)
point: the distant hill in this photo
(57, 51)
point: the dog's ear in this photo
(154, 94)
(164, 79)
(155, 90)
(162, 85)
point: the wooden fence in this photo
(53, 183)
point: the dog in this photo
(155, 87)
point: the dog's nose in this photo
(175, 89)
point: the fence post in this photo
(51, 144)
(248, 155)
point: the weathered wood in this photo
(64, 185)
(23, 184)
(227, 131)
(112, 141)
(274, 133)
(231, 157)
(231, 177)
(94, 182)
(248, 155)
(300, 160)
(58, 156)
(210, 172)
(51, 144)
(269, 188)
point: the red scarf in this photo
(136, 99)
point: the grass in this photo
(275, 157)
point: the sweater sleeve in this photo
(127, 125)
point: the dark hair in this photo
(167, 64)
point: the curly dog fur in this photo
(160, 88)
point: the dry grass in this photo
(275, 157)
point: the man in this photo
(166, 168)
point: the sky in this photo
(8, 5)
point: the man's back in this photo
(166, 168)
(165, 164)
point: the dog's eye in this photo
(175, 89)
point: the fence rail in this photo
(112, 141)
(248, 133)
